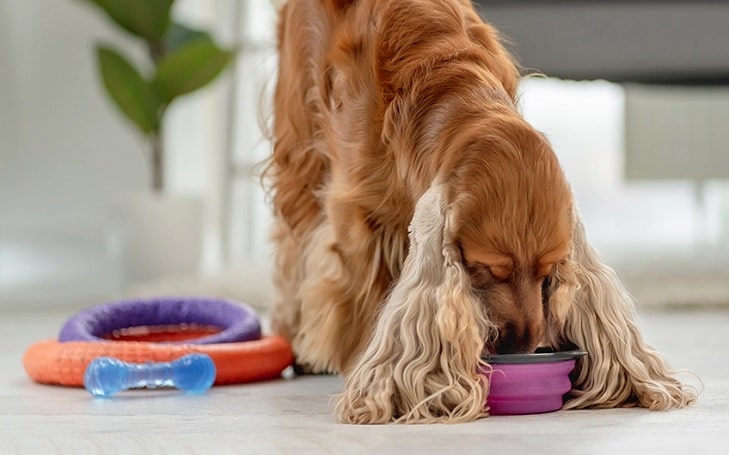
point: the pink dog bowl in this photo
(529, 383)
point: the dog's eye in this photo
(481, 276)
(547, 289)
(544, 270)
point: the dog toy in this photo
(234, 322)
(161, 330)
(106, 376)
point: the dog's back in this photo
(355, 144)
(341, 64)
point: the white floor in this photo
(294, 416)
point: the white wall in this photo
(585, 122)
(65, 152)
(67, 155)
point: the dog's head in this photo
(513, 221)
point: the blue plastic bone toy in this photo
(193, 373)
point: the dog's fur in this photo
(420, 221)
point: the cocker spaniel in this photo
(421, 222)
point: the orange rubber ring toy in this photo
(53, 362)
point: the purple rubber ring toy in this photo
(237, 321)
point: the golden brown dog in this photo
(420, 221)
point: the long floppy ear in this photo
(620, 369)
(421, 364)
(558, 293)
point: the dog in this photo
(420, 222)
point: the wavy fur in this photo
(419, 220)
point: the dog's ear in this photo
(620, 369)
(421, 364)
(558, 292)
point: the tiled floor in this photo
(294, 416)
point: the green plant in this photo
(182, 59)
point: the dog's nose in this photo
(512, 340)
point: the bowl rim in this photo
(537, 357)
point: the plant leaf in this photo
(148, 19)
(179, 34)
(126, 86)
(190, 67)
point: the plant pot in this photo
(159, 236)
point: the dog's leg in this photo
(286, 304)
(620, 369)
(321, 341)
(298, 166)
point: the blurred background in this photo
(636, 109)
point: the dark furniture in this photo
(668, 41)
